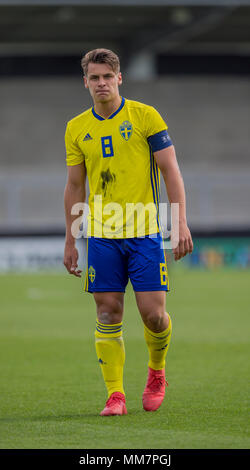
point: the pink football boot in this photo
(115, 405)
(154, 391)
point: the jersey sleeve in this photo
(156, 130)
(154, 123)
(74, 155)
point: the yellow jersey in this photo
(124, 179)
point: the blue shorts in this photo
(112, 262)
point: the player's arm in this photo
(75, 191)
(167, 162)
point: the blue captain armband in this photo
(159, 141)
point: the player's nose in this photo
(101, 81)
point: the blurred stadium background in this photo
(189, 59)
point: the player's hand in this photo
(70, 260)
(185, 243)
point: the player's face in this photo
(102, 82)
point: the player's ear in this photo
(85, 82)
(119, 78)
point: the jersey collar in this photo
(97, 116)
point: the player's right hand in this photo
(70, 260)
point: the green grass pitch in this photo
(51, 385)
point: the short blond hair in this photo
(101, 56)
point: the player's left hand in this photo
(185, 244)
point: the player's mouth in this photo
(102, 92)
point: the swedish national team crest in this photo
(126, 130)
(91, 273)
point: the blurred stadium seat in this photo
(207, 112)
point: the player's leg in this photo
(105, 261)
(148, 274)
(110, 348)
(157, 333)
(157, 326)
(108, 339)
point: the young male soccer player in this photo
(122, 145)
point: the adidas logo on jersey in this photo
(87, 137)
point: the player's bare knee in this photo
(110, 312)
(155, 320)
(109, 317)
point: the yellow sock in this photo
(158, 344)
(111, 355)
